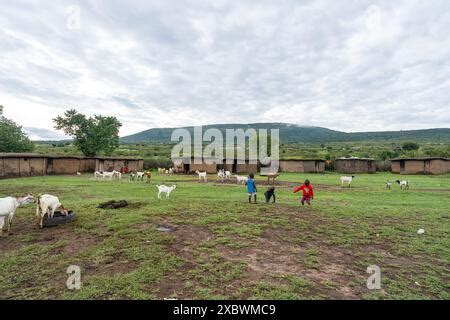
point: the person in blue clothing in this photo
(251, 188)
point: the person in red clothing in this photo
(308, 192)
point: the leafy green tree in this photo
(410, 146)
(91, 135)
(12, 138)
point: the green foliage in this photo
(91, 135)
(12, 138)
(410, 146)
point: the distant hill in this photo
(295, 133)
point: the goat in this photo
(202, 176)
(166, 190)
(241, 179)
(347, 180)
(132, 176)
(161, 171)
(109, 175)
(272, 177)
(98, 174)
(8, 207)
(117, 175)
(78, 173)
(223, 175)
(140, 176)
(389, 185)
(47, 204)
(404, 184)
(148, 174)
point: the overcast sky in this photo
(345, 65)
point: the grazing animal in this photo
(223, 175)
(47, 204)
(166, 190)
(98, 174)
(148, 174)
(389, 185)
(140, 176)
(78, 173)
(8, 207)
(132, 176)
(347, 180)
(161, 171)
(241, 179)
(404, 184)
(202, 176)
(109, 175)
(117, 175)
(272, 177)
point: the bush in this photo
(384, 165)
(157, 162)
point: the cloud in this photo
(368, 65)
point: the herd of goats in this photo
(49, 204)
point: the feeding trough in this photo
(59, 218)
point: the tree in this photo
(12, 138)
(410, 146)
(91, 135)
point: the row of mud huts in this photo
(26, 165)
(341, 165)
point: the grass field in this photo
(225, 248)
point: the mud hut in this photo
(355, 165)
(22, 165)
(302, 165)
(190, 165)
(26, 165)
(431, 165)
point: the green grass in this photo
(225, 248)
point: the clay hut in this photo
(22, 165)
(190, 165)
(240, 166)
(302, 165)
(355, 165)
(432, 165)
(26, 165)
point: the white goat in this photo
(98, 174)
(117, 175)
(202, 176)
(140, 176)
(166, 190)
(47, 204)
(389, 185)
(347, 180)
(109, 175)
(241, 179)
(8, 207)
(223, 175)
(404, 184)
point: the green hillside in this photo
(293, 133)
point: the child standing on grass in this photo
(251, 188)
(308, 192)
